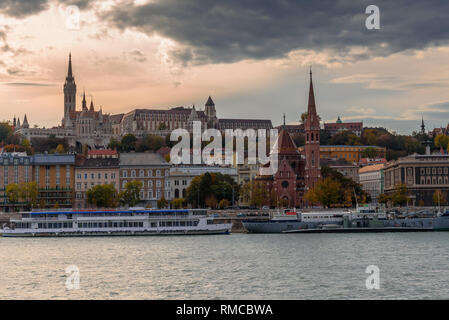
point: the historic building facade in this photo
(92, 171)
(15, 168)
(371, 178)
(339, 126)
(152, 170)
(422, 174)
(94, 128)
(55, 178)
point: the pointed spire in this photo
(25, 122)
(69, 71)
(284, 119)
(18, 122)
(311, 108)
(92, 104)
(84, 101)
(210, 102)
(423, 128)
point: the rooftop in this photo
(142, 159)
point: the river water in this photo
(237, 266)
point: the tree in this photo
(60, 149)
(441, 141)
(131, 195)
(383, 198)
(223, 204)
(28, 192)
(221, 186)
(114, 144)
(326, 192)
(259, 194)
(27, 146)
(438, 198)
(102, 196)
(5, 131)
(346, 184)
(369, 152)
(399, 197)
(128, 142)
(162, 203)
(177, 203)
(13, 193)
(211, 201)
(347, 198)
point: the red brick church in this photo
(296, 172)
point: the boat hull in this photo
(117, 233)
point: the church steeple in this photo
(312, 141)
(69, 94)
(423, 128)
(84, 101)
(91, 105)
(25, 122)
(69, 71)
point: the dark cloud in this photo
(233, 30)
(24, 8)
(20, 8)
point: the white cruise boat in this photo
(133, 221)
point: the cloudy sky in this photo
(251, 56)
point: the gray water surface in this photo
(237, 266)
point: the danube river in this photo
(237, 266)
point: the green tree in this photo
(5, 131)
(131, 194)
(369, 152)
(221, 186)
(399, 197)
(114, 144)
(28, 192)
(102, 196)
(128, 142)
(13, 193)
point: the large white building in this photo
(372, 180)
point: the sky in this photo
(252, 57)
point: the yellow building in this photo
(55, 178)
(349, 153)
